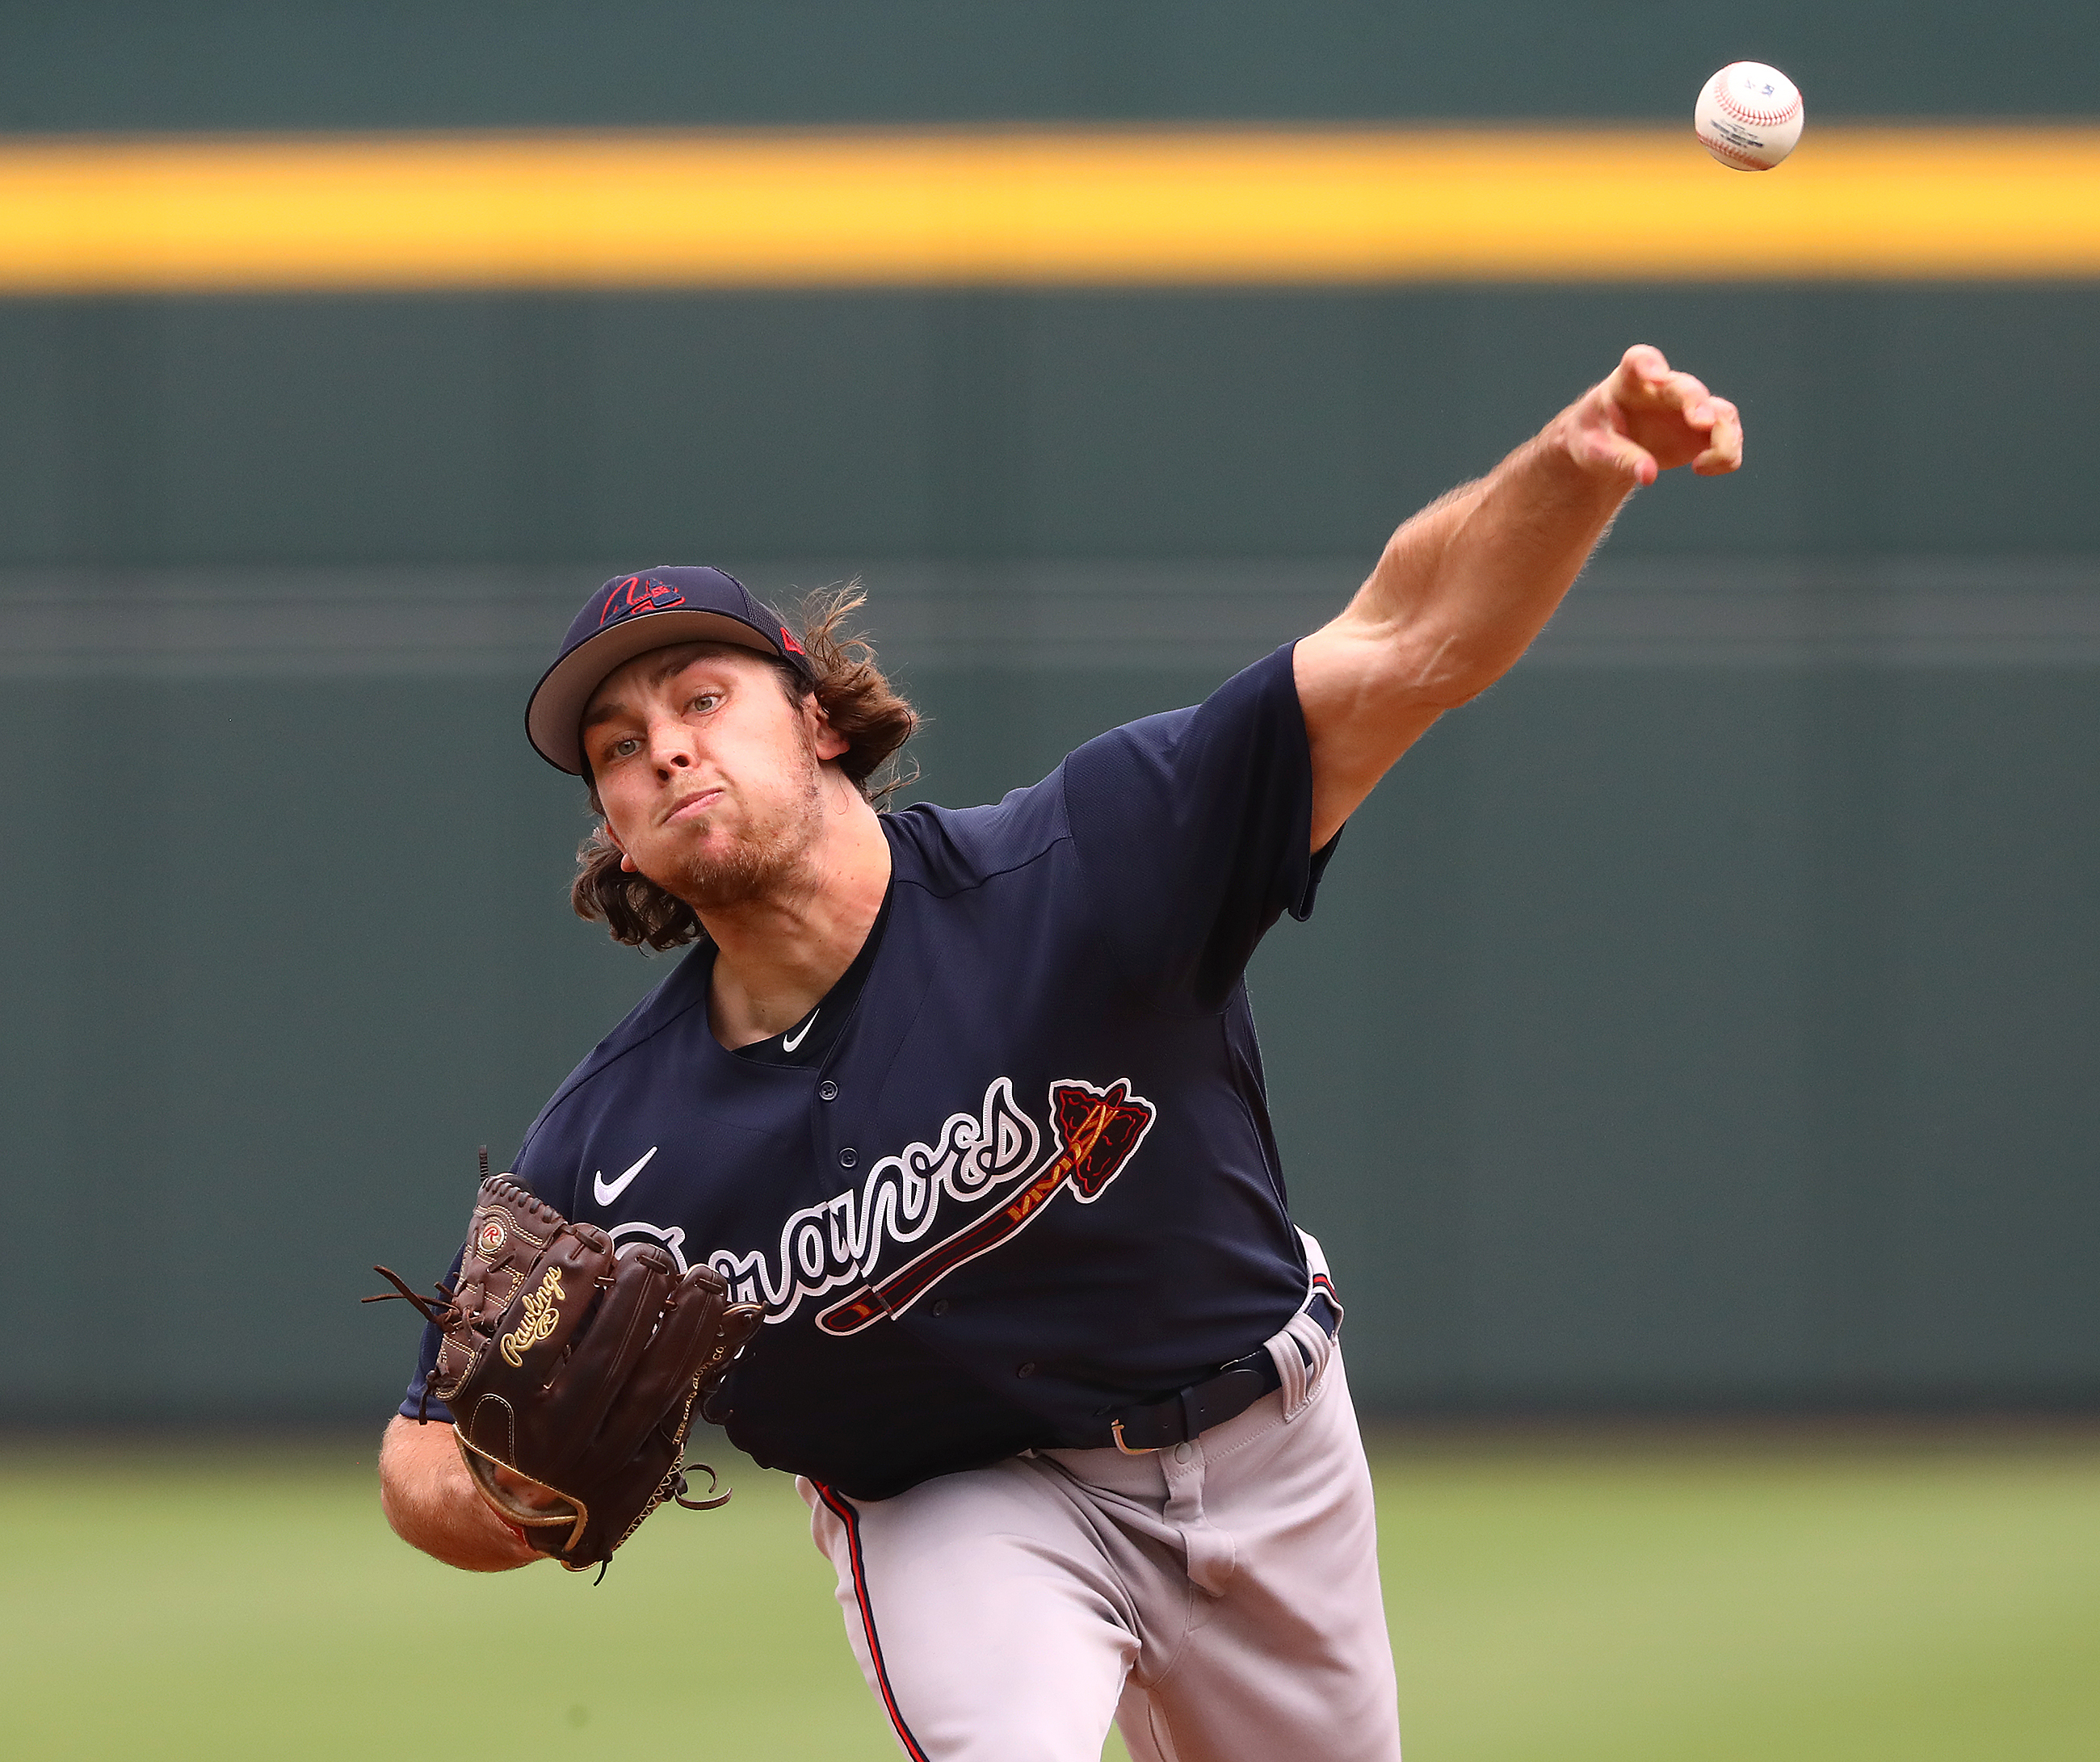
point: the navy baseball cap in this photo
(630, 615)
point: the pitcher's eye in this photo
(707, 700)
(623, 748)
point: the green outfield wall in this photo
(1709, 1028)
(1704, 1019)
(134, 64)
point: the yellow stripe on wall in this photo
(1186, 207)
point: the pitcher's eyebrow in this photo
(682, 656)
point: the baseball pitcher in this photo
(939, 1171)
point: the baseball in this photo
(1748, 115)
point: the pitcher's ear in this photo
(827, 741)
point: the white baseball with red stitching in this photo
(1748, 115)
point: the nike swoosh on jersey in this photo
(607, 1191)
(801, 1033)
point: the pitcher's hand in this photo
(1646, 419)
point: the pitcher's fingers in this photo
(1606, 449)
(1724, 443)
(1686, 392)
(1640, 366)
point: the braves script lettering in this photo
(841, 1241)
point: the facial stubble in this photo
(761, 862)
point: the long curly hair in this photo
(857, 700)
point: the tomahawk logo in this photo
(1097, 1131)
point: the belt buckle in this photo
(1115, 1430)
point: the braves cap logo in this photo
(633, 595)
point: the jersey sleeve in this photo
(1193, 832)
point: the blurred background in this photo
(1700, 1027)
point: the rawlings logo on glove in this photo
(540, 1316)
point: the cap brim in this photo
(554, 714)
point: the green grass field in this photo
(1695, 1599)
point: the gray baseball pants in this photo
(1219, 1601)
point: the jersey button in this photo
(848, 1158)
(828, 1090)
(1023, 1370)
(941, 1307)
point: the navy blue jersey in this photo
(1032, 1179)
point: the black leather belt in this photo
(1196, 1409)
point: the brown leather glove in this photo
(577, 1369)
